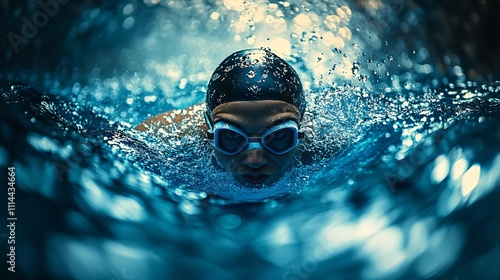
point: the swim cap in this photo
(254, 74)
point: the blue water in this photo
(405, 185)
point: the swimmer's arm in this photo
(175, 119)
(163, 120)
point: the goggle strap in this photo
(210, 132)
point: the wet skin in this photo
(256, 167)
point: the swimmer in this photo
(254, 106)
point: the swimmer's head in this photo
(255, 103)
(254, 74)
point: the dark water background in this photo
(406, 94)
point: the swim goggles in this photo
(230, 140)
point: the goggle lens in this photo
(230, 141)
(280, 140)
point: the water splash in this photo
(403, 161)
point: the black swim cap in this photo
(254, 74)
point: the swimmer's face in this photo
(258, 166)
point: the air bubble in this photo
(251, 74)
(355, 68)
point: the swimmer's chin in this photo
(256, 181)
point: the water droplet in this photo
(215, 76)
(251, 74)
(363, 78)
(355, 68)
(313, 39)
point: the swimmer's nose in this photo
(255, 158)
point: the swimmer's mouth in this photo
(256, 178)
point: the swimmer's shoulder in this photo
(184, 121)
